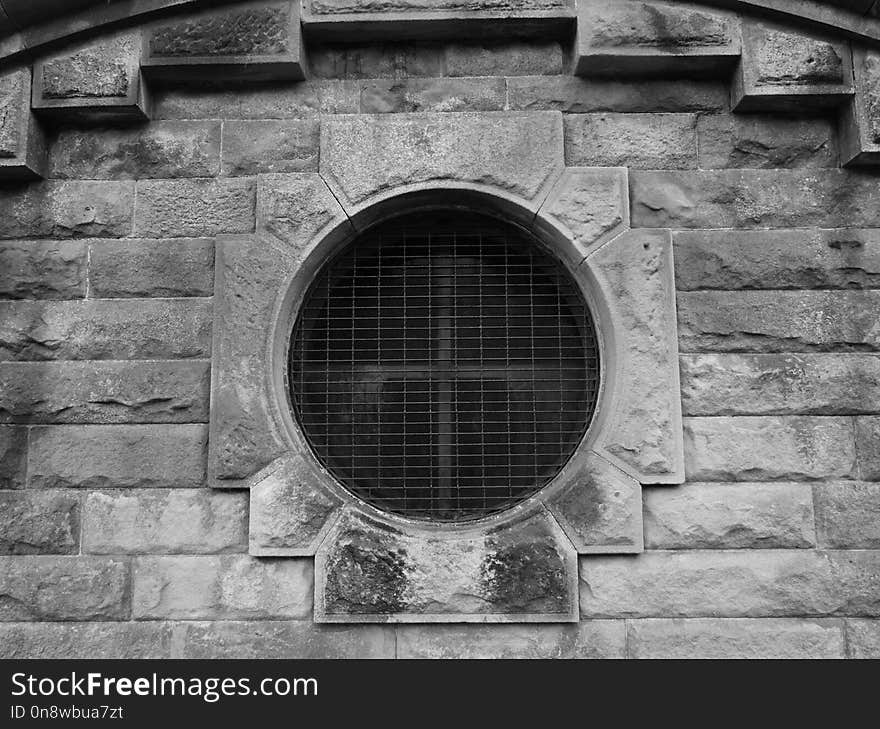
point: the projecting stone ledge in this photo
(22, 145)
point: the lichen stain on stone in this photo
(582, 504)
(366, 576)
(525, 578)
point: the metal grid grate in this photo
(443, 367)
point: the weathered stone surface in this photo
(104, 392)
(159, 149)
(12, 91)
(749, 583)
(290, 509)
(868, 447)
(386, 96)
(272, 145)
(42, 269)
(504, 59)
(754, 199)
(729, 516)
(117, 456)
(39, 522)
(181, 208)
(398, 59)
(643, 435)
(67, 210)
(863, 638)
(779, 259)
(92, 641)
(285, 639)
(22, 142)
(650, 141)
(160, 521)
(105, 329)
(13, 457)
(151, 268)
(779, 321)
(336, 7)
(712, 638)
(780, 384)
(860, 120)
(63, 588)
(370, 572)
(224, 587)
(588, 639)
(847, 514)
(796, 448)
(740, 141)
(518, 153)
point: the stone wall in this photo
(114, 545)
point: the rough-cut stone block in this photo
(271, 145)
(104, 392)
(785, 70)
(176, 208)
(13, 457)
(754, 199)
(22, 143)
(378, 60)
(748, 583)
(868, 447)
(371, 572)
(779, 259)
(290, 509)
(92, 641)
(285, 639)
(779, 321)
(860, 119)
(588, 639)
(67, 210)
(504, 59)
(117, 456)
(225, 587)
(39, 522)
(105, 329)
(151, 268)
(653, 38)
(796, 448)
(159, 149)
(847, 514)
(32, 269)
(387, 96)
(729, 516)
(63, 588)
(98, 81)
(713, 638)
(727, 141)
(863, 638)
(515, 153)
(159, 521)
(780, 384)
(256, 41)
(650, 141)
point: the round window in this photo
(443, 366)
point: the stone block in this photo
(117, 456)
(256, 41)
(39, 522)
(522, 58)
(183, 208)
(387, 96)
(779, 259)
(653, 38)
(377, 60)
(221, 587)
(786, 70)
(105, 329)
(44, 588)
(271, 145)
(132, 268)
(795, 448)
(779, 321)
(22, 141)
(13, 457)
(860, 119)
(95, 82)
(847, 514)
(868, 447)
(730, 516)
(863, 638)
(91, 641)
(67, 210)
(727, 638)
(650, 141)
(104, 392)
(160, 149)
(780, 384)
(32, 269)
(161, 521)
